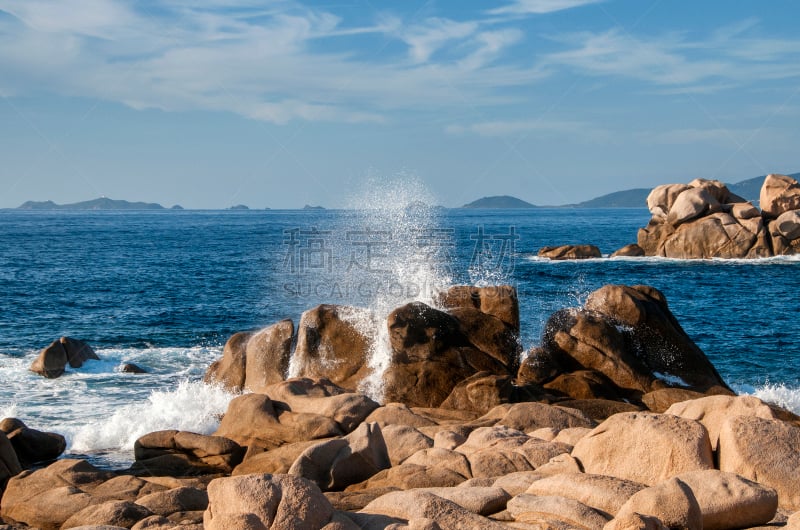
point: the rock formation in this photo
(53, 359)
(704, 220)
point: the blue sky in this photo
(210, 103)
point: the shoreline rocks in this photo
(616, 421)
(53, 359)
(704, 220)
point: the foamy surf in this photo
(780, 394)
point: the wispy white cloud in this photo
(500, 128)
(539, 7)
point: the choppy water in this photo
(166, 289)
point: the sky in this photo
(213, 103)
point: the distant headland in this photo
(102, 203)
(499, 201)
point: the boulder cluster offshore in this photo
(703, 219)
(616, 421)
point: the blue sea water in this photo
(166, 289)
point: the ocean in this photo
(165, 289)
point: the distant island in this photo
(309, 207)
(499, 201)
(102, 203)
(239, 207)
(748, 189)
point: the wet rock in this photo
(631, 251)
(565, 252)
(182, 453)
(430, 356)
(9, 463)
(131, 368)
(332, 344)
(30, 445)
(499, 301)
(631, 446)
(267, 355)
(53, 359)
(229, 371)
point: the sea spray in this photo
(397, 245)
(192, 406)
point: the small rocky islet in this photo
(704, 220)
(616, 420)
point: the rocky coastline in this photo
(703, 220)
(616, 420)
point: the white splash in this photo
(192, 406)
(780, 394)
(413, 261)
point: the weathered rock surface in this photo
(555, 512)
(779, 194)
(280, 502)
(448, 515)
(600, 492)
(9, 462)
(253, 360)
(630, 337)
(629, 251)
(182, 453)
(338, 463)
(30, 445)
(671, 501)
(713, 411)
(570, 252)
(766, 451)
(499, 301)
(727, 500)
(430, 356)
(704, 220)
(632, 446)
(53, 359)
(110, 514)
(331, 343)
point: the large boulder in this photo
(338, 463)
(499, 301)
(253, 420)
(30, 445)
(9, 463)
(321, 397)
(47, 497)
(555, 511)
(448, 515)
(629, 335)
(779, 194)
(713, 411)
(267, 356)
(279, 502)
(430, 356)
(601, 492)
(182, 453)
(729, 501)
(565, 252)
(671, 501)
(765, 451)
(229, 371)
(111, 514)
(690, 204)
(661, 198)
(53, 359)
(632, 445)
(333, 342)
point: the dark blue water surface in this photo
(192, 278)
